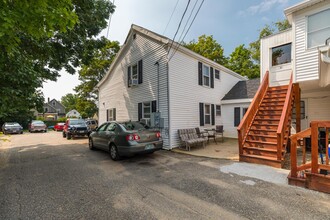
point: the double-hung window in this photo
(111, 114)
(146, 109)
(207, 113)
(318, 28)
(217, 74)
(135, 72)
(218, 110)
(206, 75)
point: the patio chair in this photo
(201, 134)
(211, 134)
(219, 131)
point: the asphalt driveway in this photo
(44, 176)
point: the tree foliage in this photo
(264, 32)
(240, 61)
(39, 39)
(209, 48)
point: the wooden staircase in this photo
(265, 129)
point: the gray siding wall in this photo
(114, 92)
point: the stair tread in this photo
(261, 142)
(262, 157)
(261, 149)
(262, 135)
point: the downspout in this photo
(157, 63)
(168, 104)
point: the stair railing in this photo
(250, 114)
(284, 120)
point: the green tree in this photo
(209, 48)
(40, 39)
(69, 101)
(264, 32)
(240, 61)
(91, 73)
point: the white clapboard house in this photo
(295, 65)
(145, 77)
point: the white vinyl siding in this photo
(307, 64)
(185, 97)
(114, 92)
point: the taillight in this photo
(132, 137)
(158, 135)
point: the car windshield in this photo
(38, 122)
(77, 122)
(14, 124)
(129, 126)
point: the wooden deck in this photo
(313, 173)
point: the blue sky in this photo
(231, 22)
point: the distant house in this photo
(152, 74)
(53, 110)
(73, 114)
(235, 104)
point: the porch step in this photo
(260, 144)
(270, 107)
(276, 88)
(269, 112)
(275, 95)
(264, 126)
(262, 137)
(261, 151)
(266, 118)
(269, 161)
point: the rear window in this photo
(12, 124)
(129, 126)
(38, 123)
(77, 122)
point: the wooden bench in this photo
(189, 138)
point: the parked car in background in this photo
(59, 126)
(37, 125)
(125, 139)
(74, 127)
(12, 128)
(92, 124)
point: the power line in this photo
(179, 24)
(188, 20)
(113, 3)
(179, 44)
(171, 16)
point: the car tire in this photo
(5, 133)
(91, 144)
(63, 135)
(21, 132)
(114, 152)
(68, 136)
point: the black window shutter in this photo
(114, 114)
(140, 67)
(154, 106)
(237, 114)
(212, 114)
(212, 77)
(200, 74)
(201, 114)
(139, 111)
(129, 76)
(107, 115)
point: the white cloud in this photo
(263, 6)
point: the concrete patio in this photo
(228, 149)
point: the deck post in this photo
(293, 156)
(314, 143)
(297, 104)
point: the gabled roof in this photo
(56, 101)
(166, 42)
(300, 6)
(49, 106)
(243, 90)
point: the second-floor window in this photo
(146, 109)
(135, 74)
(281, 54)
(206, 75)
(318, 28)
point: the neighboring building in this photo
(302, 49)
(153, 74)
(53, 110)
(303, 53)
(73, 114)
(235, 104)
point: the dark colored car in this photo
(91, 124)
(37, 125)
(59, 126)
(12, 128)
(74, 127)
(125, 139)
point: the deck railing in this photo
(249, 116)
(284, 120)
(314, 165)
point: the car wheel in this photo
(114, 152)
(5, 133)
(63, 135)
(91, 144)
(21, 132)
(68, 136)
